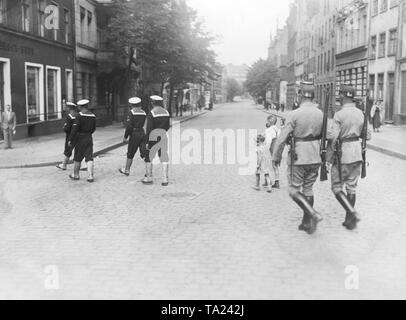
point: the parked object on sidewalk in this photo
(81, 134)
(346, 165)
(302, 131)
(158, 124)
(135, 133)
(8, 126)
(377, 115)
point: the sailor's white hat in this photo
(134, 100)
(156, 98)
(83, 102)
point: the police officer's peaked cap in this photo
(134, 100)
(307, 89)
(347, 90)
(156, 98)
(83, 102)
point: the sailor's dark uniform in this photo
(67, 127)
(82, 130)
(158, 123)
(135, 130)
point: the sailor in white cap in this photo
(82, 130)
(135, 131)
(67, 127)
(158, 123)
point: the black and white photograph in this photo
(202, 150)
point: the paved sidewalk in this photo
(48, 150)
(391, 140)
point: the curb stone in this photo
(95, 154)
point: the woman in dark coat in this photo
(376, 115)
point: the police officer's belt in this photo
(353, 139)
(84, 133)
(308, 139)
(138, 129)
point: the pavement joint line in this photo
(95, 154)
(370, 146)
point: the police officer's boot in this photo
(165, 168)
(64, 164)
(306, 221)
(303, 203)
(148, 174)
(276, 185)
(76, 169)
(352, 217)
(128, 165)
(90, 171)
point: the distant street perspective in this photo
(209, 234)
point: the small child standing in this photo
(264, 163)
(271, 134)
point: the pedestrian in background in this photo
(271, 134)
(67, 127)
(158, 124)
(263, 164)
(8, 126)
(376, 115)
(81, 135)
(135, 131)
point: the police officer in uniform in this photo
(158, 123)
(135, 131)
(67, 127)
(345, 133)
(82, 131)
(303, 132)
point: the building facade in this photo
(352, 29)
(36, 62)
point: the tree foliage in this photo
(233, 89)
(259, 78)
(167, 37)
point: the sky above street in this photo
(243, 26)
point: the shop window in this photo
(3, 11)
(53, 93)
(403, 90)
(372, 86)
(67, 25)
(375, 4)
(83, 25)
(34, 92)
(380, 86)
(373, 48)
(384, 5)
(2, 86)
(55, 30)
(382, 45)
(393, 41)
(69, 85)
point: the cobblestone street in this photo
(208, 235)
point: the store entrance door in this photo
(391, 97)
